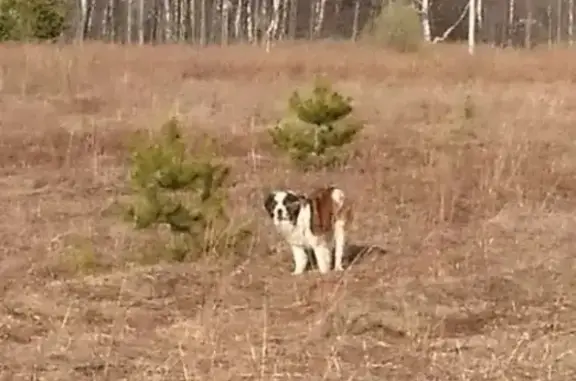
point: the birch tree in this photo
(182, 22)
(108, 27)
(203, 22)
(511, 19)
(226, 6)
(250, 21)
(81, 27)
(425, 15)
(89, 24)
(128, 21)
(96, 19)
(313, 11)
(167, 21)
(141, 22)
(355, 19)
(283, 20)
(264, 19)
(559, 22)
(320, 14)
(528, 25)
(256, 20)
(550, 25)
(480, 12)
(191, 27)
(272, 30)
(450, 29)
(216, 20)
(571, 22)
(293, 18)
(471, 26)
(238, 32)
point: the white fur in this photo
(338, 197)
(300, 236)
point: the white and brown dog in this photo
(316, 221)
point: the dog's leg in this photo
(323, 257)
(339, 243)
(300, 259)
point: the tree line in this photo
(522, 23)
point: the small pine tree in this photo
(184, 191)
(317, 137)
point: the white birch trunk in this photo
(81, 27)
(89, 25)
(128, 21)
(355, 20)
(226, 5)
(321, 11)
(511, 17)
(471, 27)
(104, 23)
(250, 21)
(480, 13)
(528, 29)
(425, 12)
(167, 21)
(571, 22)
(550, 35)
(238, 33)
(203, 21)
(110, 27)
(141, 22)
(181, 12)
(292, 18)
(312, 21)
(447, 32)
(192, 21)
(559, 22)
(257, 10)
(272, 30)
(283, 20)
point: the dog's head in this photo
(283, 206)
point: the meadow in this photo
(464, 182)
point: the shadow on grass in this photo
(353, 254)
(356, 253)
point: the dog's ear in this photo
(299, 200)
(269, 202)
(294, 202)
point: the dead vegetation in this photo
(466, 176)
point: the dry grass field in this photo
(465, 178)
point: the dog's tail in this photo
(342, 208)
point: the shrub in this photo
(397, 26)
(317, 129)
(170, 186)
(31, 19)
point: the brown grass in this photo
(467, 178)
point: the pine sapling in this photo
(321, 130)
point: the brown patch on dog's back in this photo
(322, 207)
(324, 210)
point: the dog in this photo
(316, 221)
